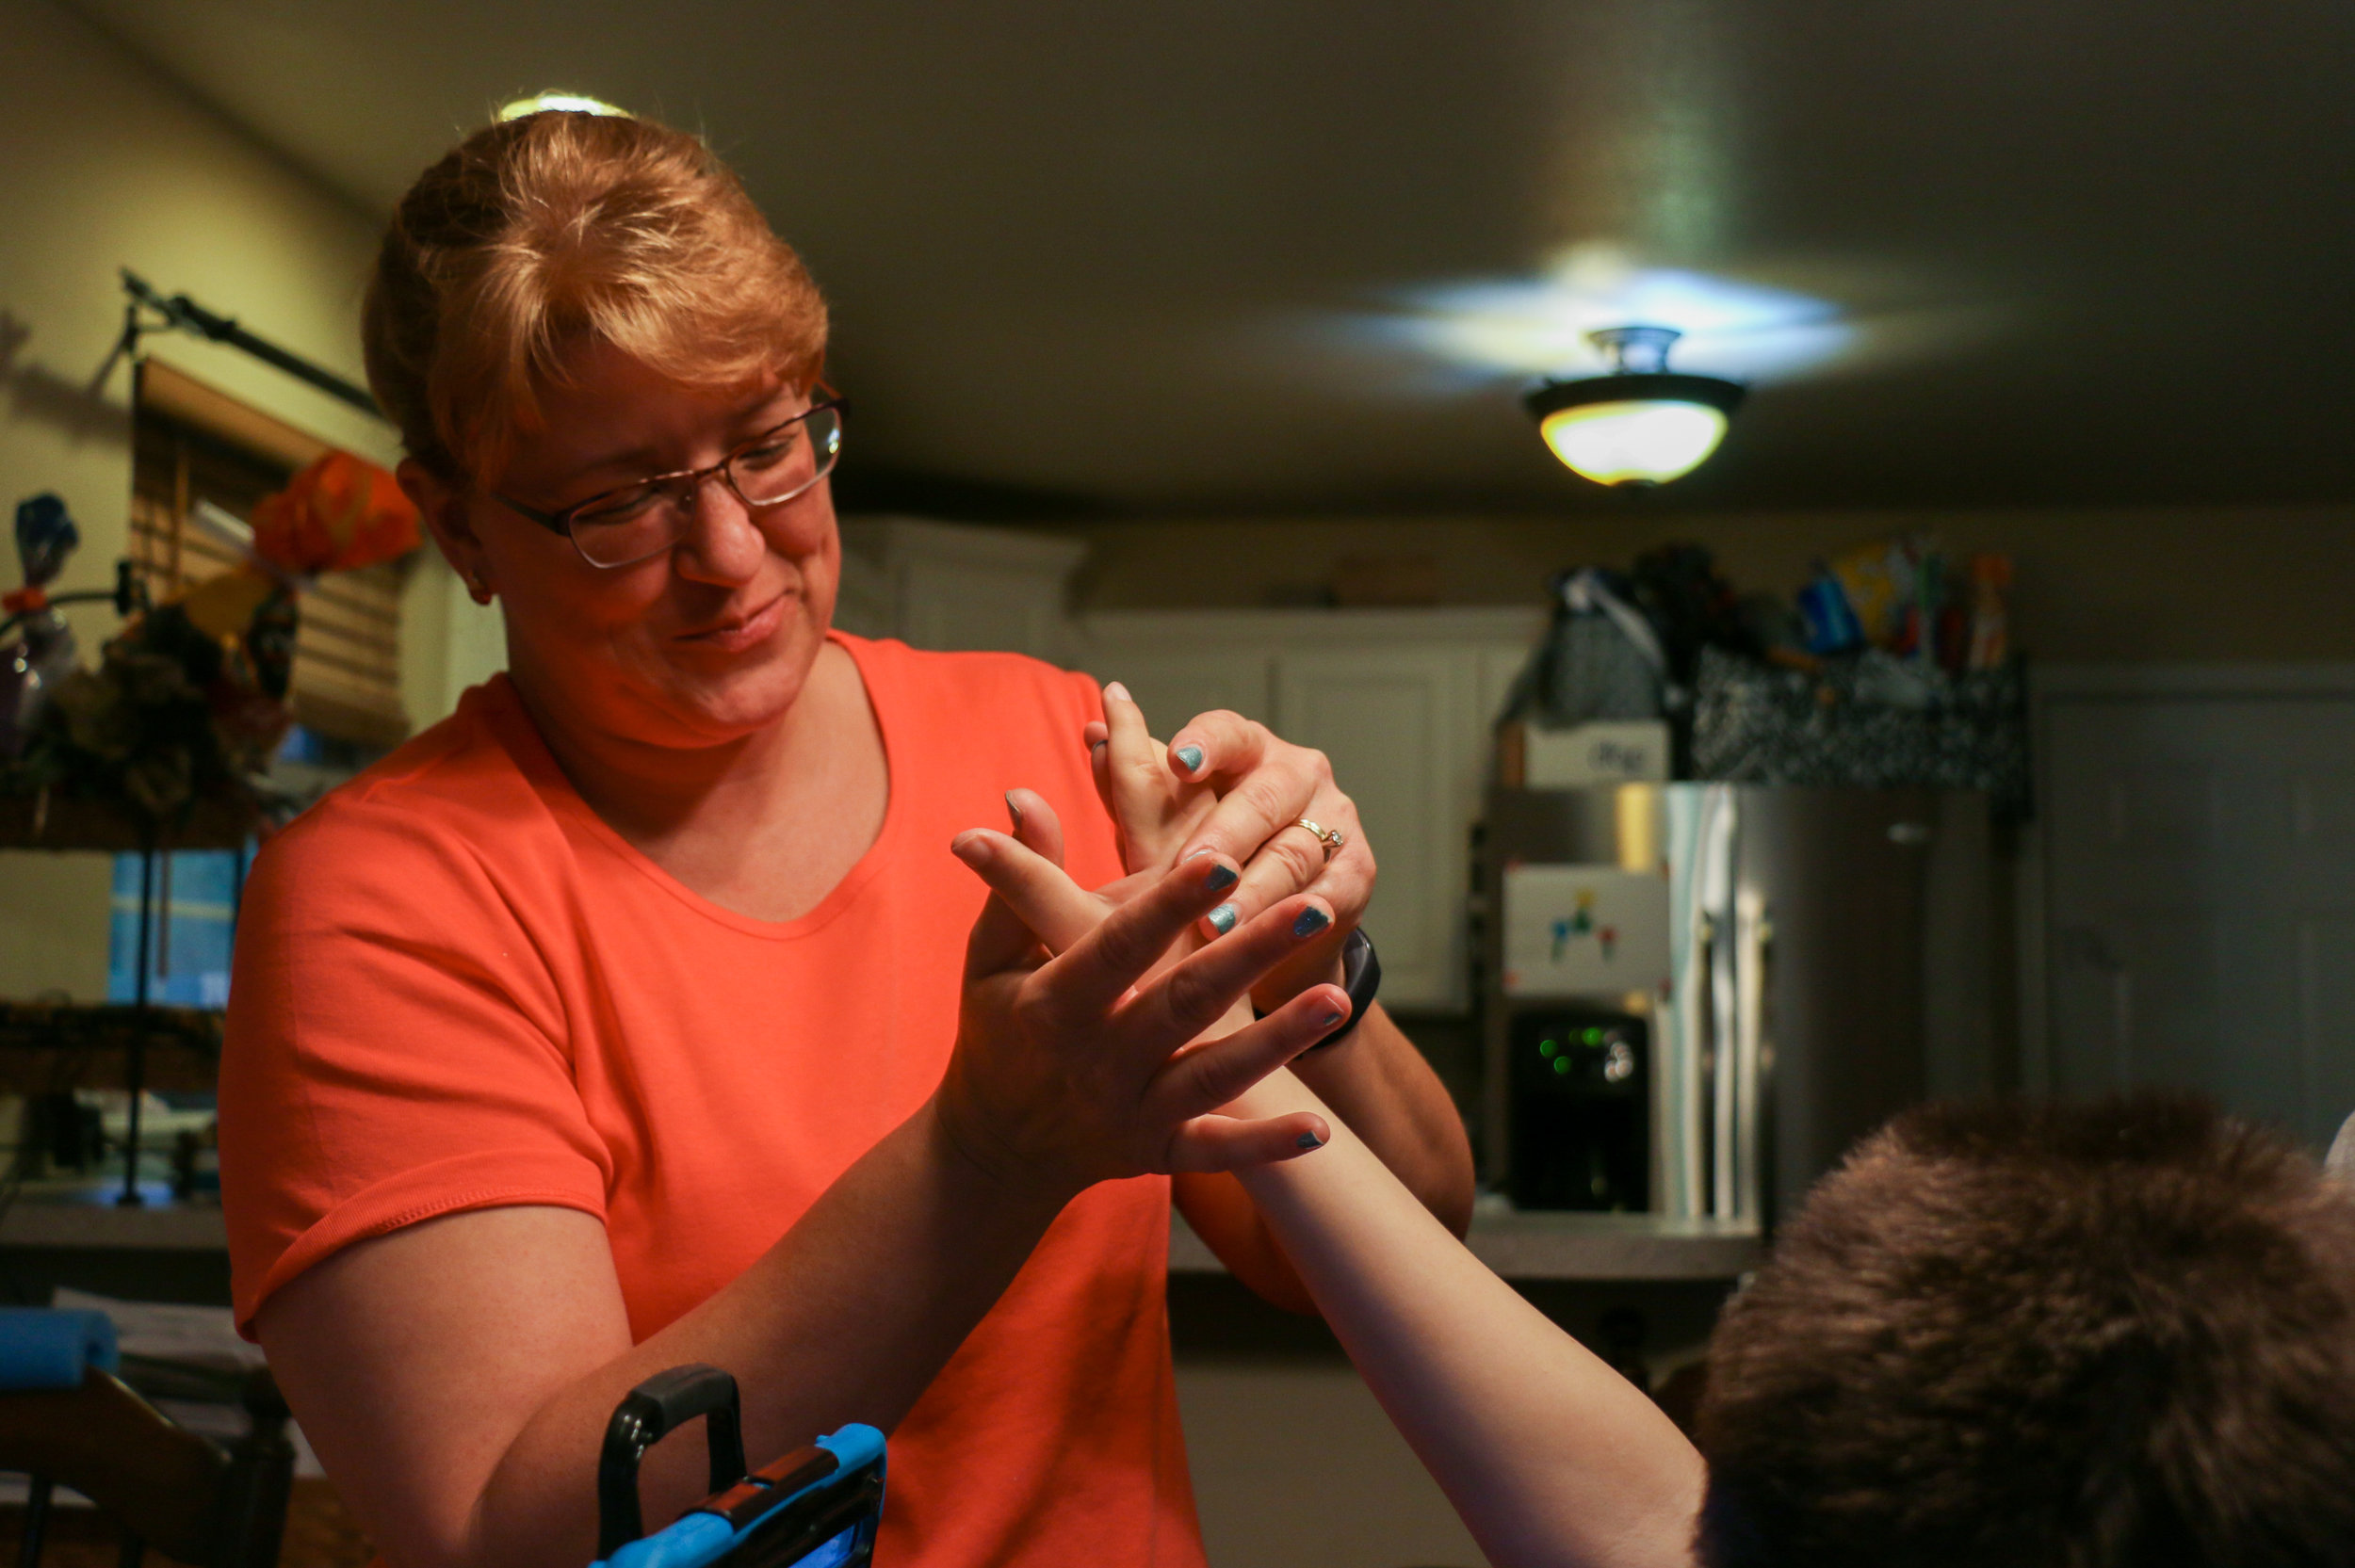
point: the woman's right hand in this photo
(1072, 1070)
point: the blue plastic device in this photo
(817, 1507)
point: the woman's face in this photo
(706, 642)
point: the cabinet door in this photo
(1403, 728)
(1172, 685)
(967, 605)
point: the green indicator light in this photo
(1562, 1065)
(1547, 1047)
(1592, 1035)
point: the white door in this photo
(1403, 727)
(2200, 900)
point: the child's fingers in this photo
(1212, 1143)
(1133, 779)
(999, 941)
(1100, 768)
(1215, 1072)
(1036, 827)
(1091, 976)
(1124, 723)
(1197, 993)
(1032, 888)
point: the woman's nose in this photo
(724, 542)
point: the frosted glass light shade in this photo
(1634, 427)
(1647, 440)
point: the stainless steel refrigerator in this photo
(1743, 979)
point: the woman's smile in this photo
(738, 632)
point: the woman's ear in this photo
(443, 507)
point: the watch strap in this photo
(1361, 977)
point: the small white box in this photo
(1607, 751)
(1584, 930)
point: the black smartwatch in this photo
(1361, 977)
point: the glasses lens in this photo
(789, 461)
(644, 520)
(628, 525)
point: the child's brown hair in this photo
(2114, 1333)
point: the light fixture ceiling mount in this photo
(1642, 424)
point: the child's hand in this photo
(1154, 809)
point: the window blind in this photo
(190, 443)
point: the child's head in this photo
(2084, 1336)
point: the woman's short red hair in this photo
(538, 233)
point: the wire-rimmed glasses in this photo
(627, 525)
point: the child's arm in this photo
(1155, 811)
(1550, 1456)
(1383, 1083)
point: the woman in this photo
(620, 1020)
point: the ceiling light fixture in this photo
(1643, 423)
(569, 103)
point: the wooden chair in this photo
(161, 1484)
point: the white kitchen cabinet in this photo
(1401, 701)
(1403, 728)
(954, 586)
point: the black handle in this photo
(645, 1416)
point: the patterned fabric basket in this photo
(1874, 721)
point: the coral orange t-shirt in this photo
(457, 988)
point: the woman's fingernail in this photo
(1099, 746)
(1330, 1021)
(1220, 879)
(1118, 693)
(1309, 1140)
(1222, 919)
(1014, 811)
(1311, 921)
(1196, 854)
(1189, 757)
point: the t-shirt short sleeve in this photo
(391, 1048)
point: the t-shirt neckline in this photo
(522, 738)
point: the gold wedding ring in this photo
(1332, 838)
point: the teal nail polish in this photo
(1311, 921)
(1222, 919)
(1330, 1021)
(1309, 1140)
(1221, 879)
(1189, 757)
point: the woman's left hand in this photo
(1264, 786)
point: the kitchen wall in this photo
(2191, 585)
(109, 166)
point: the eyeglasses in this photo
(617, 527)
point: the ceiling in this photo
(1135, 259)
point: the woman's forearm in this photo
(1550, 1457)
(848, 1318)
(404, 1356)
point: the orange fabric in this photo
(457, 988)
(341, 512)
